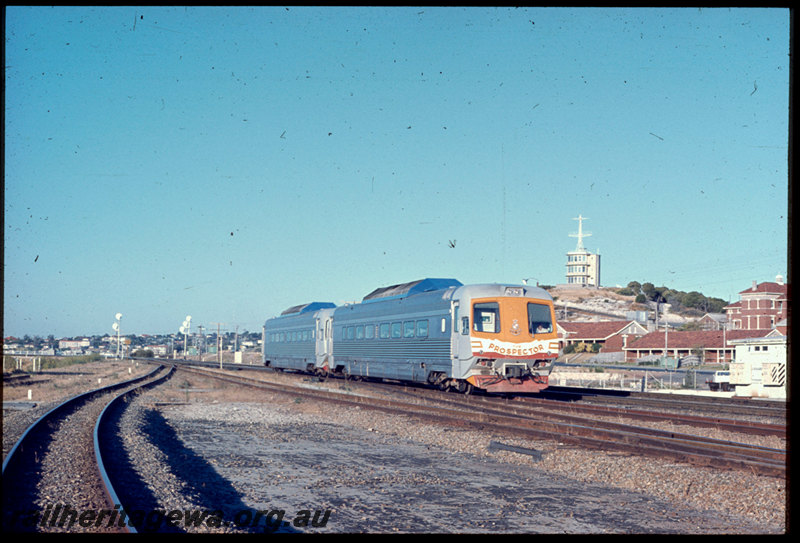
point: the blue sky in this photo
(227, 163)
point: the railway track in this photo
(55, 477)
(730, 416)
(677, 406)
(727, 407)
(533, 406)
(527, 422)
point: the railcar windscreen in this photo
(539, 321)
(486, 317)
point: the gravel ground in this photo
(211, 445)
(385, 473)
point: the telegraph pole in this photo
(219, 344)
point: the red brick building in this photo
(712, 346)
(611, 335)
(761, 307)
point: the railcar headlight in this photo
(513, 291)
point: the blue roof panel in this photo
(305, 308)
(404, 290)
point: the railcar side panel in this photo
(402, 339)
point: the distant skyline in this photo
(230, 162)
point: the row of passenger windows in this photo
(387, 330)
(406, 329)
(291, 337)
(486, 318)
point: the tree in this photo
(695, 300)
(649, 290)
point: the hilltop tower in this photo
(583, 267)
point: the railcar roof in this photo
(304, 308)
(407, 289)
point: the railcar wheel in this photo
(464, 387)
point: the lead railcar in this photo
(495, 337)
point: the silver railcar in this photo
(500, 338)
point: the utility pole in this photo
(219, 344)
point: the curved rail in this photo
(19, 446)
(16, 462)
(98, 445)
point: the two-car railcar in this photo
(499, 338)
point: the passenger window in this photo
(486, 317)
(350, 332)
(465, 325)
(408, 329)
(369, 331)
(384, 331)
(397, 330)
(539, 321)
(422, 328)
(360, 331)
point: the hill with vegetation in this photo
(678, 307)
(687, 303)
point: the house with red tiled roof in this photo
(762, 306)
(713, 321)
(711, 346)
(611, 335)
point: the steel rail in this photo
(637, 400)
(28, 440)
(25, 438)
(518, 405)
(530, 414)
(740, 406)
(101, 426)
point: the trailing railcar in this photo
(291, 340)
(499, 338)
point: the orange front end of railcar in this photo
(514, 343)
